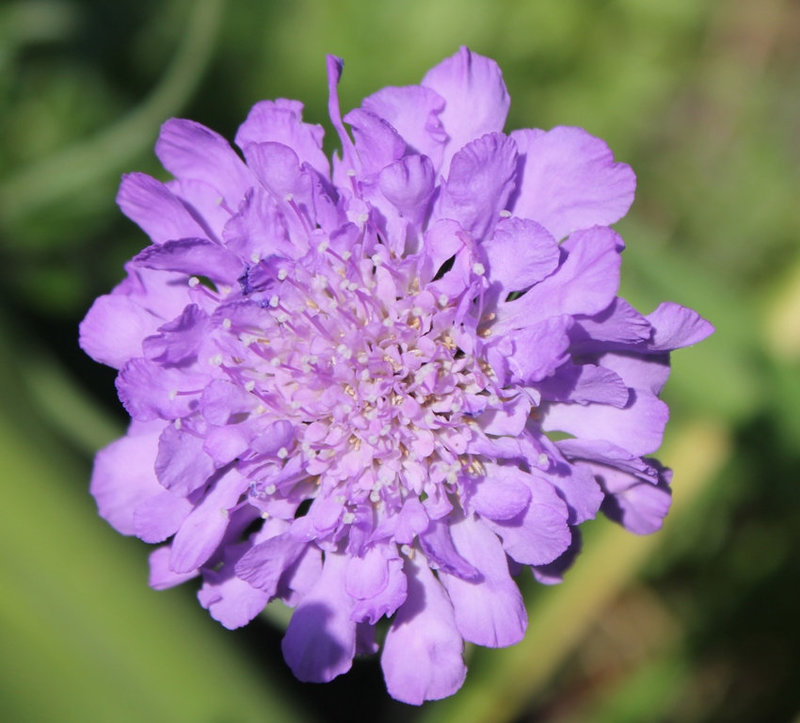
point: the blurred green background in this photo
(696, 623)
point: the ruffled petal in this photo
(148, 390)
(502, 493)
(258, 229)
(159, 517)
(263, 565)
(620, 324)
(476, 99)
(490, 611)
(675, 326)
(376, 583)
(480, 181)
(520, 253)
(230, 600)
(179, 340)
(539, 349)
(585, 383)
(639, 371)
(281, 121)
(585, 283)
(195, 257)
(113, 329)
(320, 641)
(202, 531)
(637, 428)
(408, 183)
(413, 111)
(155, 209)
(639, 507)
(377, 144)
(276, 166)
(161, 576)
(540, 533)
(422, 653)
(569, 180)
(189, 150)
(123, 475)
(181, 464)
(438, 547)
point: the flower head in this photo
(379, 389)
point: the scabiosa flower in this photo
(381, 389)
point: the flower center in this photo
(364, 366)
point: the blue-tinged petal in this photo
(377, 144)
(569, 180)
(181, 464)
(113, 329)
(639, 507)
(606, 453)
(488, 612)
(438, 547)
(321, 638)
(189, 150)
(149, 391)
(178, 341)
(204, 203)
(202, 531)
(222, 399)
(480, 181)
(585, 383)
(637, 428)
(410, 521)
(506, 418)
(619, 324)
(553, 572)
(259, 229)
(675, 326)
(123, 475)
(578, 488)
(376, 582)
(640, 371)
(501, 494)
(276, 166)
(443, 239)
(196, 257)
(335, 66)
(161, 576)
(539, 534)
(230, 600)
(539, 349)
(263, 565)
(585, 283)
(281, 121)
(476, 99)
(520, 253)
(422, 653)
(408, 184)
(155, 209)
(368, 573)
(159, 517)
(413, 111)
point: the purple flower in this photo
(381, 389)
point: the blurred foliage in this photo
(696, 623)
